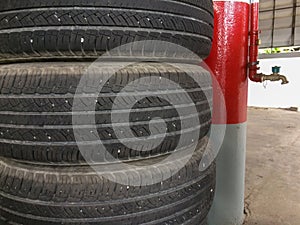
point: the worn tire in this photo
(36, 103)
(86, 29)
(34, 195)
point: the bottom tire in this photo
(40, 195)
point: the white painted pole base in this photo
(228, 206)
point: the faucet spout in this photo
(274, 77)
(284, 79)
(260, 77)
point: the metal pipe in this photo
(273, 25)
(254, 42)
(253, 49)
(294, 23)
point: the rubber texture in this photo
(34, 195)
(86, 29)
(36, 103)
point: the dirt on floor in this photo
(273, 167)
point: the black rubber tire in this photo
(35, 195)
(36, 110)
(85, 29)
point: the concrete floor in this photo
(273, 167)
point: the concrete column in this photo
(228, 62)
(228, 206)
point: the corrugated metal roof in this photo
(280, 23)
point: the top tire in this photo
(86, 29)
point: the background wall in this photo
(275, 94)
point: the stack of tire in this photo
(46, 47)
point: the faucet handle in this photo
(276, 69)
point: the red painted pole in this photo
(229, 58)
(229, 64)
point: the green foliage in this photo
(279, 50)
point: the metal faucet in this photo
(275, 76)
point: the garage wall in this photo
(280, 23)
(276, 95)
